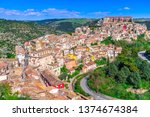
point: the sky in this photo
(50, 9)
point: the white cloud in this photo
(9, 12)
(61, 12)
(98, 14)
(126, 8)
(101, 13)
(51, 12)
(32, 12)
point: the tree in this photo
(121, 77)
(102, 61)
(145, 70)
(80, 67)
(148, 51)
(64, 69)
(140, 38)
(146, 75)
(63, 76)
(108, 41)
(6, 93)
(112, 70)
(126, 71)
(135, 80)
(138, 62)
(144, 65)
(133, 67)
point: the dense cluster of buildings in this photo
(38, 62)
(121, 28)
(52, 52)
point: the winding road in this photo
(96, 96)
(142, 56)
(99, 96)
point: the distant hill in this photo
(141, 19)
(145, 21)
(65, 25)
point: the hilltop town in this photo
(44, 67)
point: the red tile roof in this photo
(50, 78)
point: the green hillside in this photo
(65, 25)
(12, 32)
(145, 21)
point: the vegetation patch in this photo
(77, 87)
(7, 94)
(148, 53)
(107, 41)
(128, 71)
(100, 62)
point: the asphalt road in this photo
(142, 56)
(96, 96)
(99, 96)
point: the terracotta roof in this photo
(118, 17)
(27, 43)
(3, 64)
(51, 79)
(90, 63)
